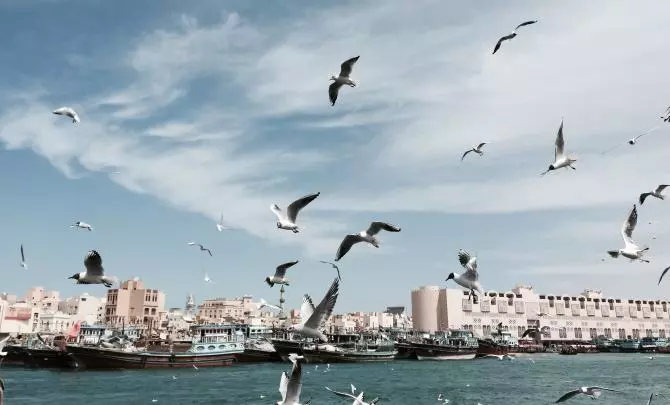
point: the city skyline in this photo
(222, 108)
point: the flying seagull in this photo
(202, 248)
(290, 387)
(280, 274)
(95, 273)
(23, 259)
(512, 35)
(592, 392)
(631, 250)
(560, 160)
(342, 79)
(220, 225)
(535, 333)
(81, 225)
(68, 112)
(207, 279)
(652, 397)
(470, 278)
(364, 236)
(358, 400)
(264, 304)
(477, 149)
(667, 115)
(312, 320)
(334, 266)
(663, 274)
(656, 193)
(500, 357)
(287, 221)
(631, 141)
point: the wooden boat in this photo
(48, 358)
(15, 356)
(258, 351)
(404, 351)
(216, 346)
(361, 352)
(457, 345)
(568, 350)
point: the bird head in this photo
(332, 77)
(278, 224)
(291, 328)
(450, 277)
(75, 276)
(270, 283)
(631, 142)
(551, 167)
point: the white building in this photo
(84, 308)
(55, 322)
(569, 317)
(19, 317)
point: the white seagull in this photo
(207, 279)
(82, 225)
(631, 250)
(280, 274)
(592, 392)
(364, 236)
(95, 273)
(264, 304)
(287, 221)
(358, 399)
(658, 193)
(470, 278)
(342, 79)
(560, 159)
(477, 149)
(500, 356)
(202, 248)
(631, 141)
(68, 112)
(333, 266)
(290, 387)
(312, 320)
(512, 35)
(221, 226)
(23, 259)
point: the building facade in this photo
(133, 304)
(221, 310)
(568, 317)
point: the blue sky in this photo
(221, 107)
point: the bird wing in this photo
(275, 208)
(529, 332)
(603, 389)
(295, 207)
(294, 385)
(464, 154)
(93, 264)
(283, 385)
(660, 188)
(306, 309)
(472, 264)
(463, 257)
(663, 274)
(333, 90)
(645, 133)
(375, 227)
(500, 41)
(560, 142)
(523, 24)
(347, 66)
(280, 272)
(23, 257)
(470, 274)
(568, 395)
(643, 197)
(325, 307)
(481, 145)
(341, 394)
(346, 245)
(629, 226)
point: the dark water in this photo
(487, 381)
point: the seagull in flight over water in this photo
(202, 248)
(368, 236)
(560, 159)
(592, 392)
(23, 259)
(68, 112)
(288, 221)
(81, 225)
(95, 273)
(470, 278)
(477, 149)
(631, 250)
(334, 266)
(358, 399)
(342, 79)
(290, 387)
(658, 193)
(512, 35)
(312, 320)
(280, 274)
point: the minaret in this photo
(190, 305)
(282, 315)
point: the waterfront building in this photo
(133, 304)
(580, 317)
(56, 322)
(19, 317)
(228, 310)
(84, 308)
(39, 297)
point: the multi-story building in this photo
(18, 317)
(55, 322)
(84, 308)
(46, 300)
(568, 317)
(132, 304)
(218, 310)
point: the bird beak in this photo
(71, 277)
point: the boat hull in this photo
(46, 358)
(325, 356)
(285, 347)
(16, 356)
(487, 347)
(100, 359)
(258, 356)
(405, 351)
(443, 352)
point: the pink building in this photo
(426, 304)
(132, 304)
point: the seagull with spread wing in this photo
(288, 220)
(202, 248)
(290, 387)
(631, 250)
(592, 392)
(333, 265)
(658, 193)
(512, 35)
(280, 274)
(358, 399)
(220, 225)
(81, 225)
(470, 278)
(23, 259)
(264, 304)
(560, 159)
(342, 79)
(368, 236)
(95, 273)
(477, 149)
(68, 112)
(312, 320)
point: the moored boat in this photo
(404, 351)
(258, 351)
(48, 358)
(286, 346)
(648, 345)
(568, 350)
(456, 345)
(360, 352)
(629, 346)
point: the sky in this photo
(221, 107)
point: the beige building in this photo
(429, 309)
(133, 304)
(39, 297)
(222, 310)
(84, 308)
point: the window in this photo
(622, 333)
(597, 305)
(567, 304)
(593, 333)
(562, 333)
(581, 305)
(636, 333)
(661, 333)
(608, 333)
(484, 305)
(520, 330)
(551, 303)
(486, 330)
(639, 306)
(578, 333)
(649, 333)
